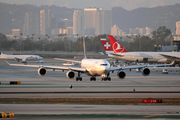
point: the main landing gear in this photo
(106, 78)
(79, 78)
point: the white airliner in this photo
(146, 57)
(23, 58)
(91, 67)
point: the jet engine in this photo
(40, 61)
(24, 61)
(145, 71)
(121, 74)
(42, 71)
(70, 74)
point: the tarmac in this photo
(56, 85)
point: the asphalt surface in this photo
(56, 85)
(71, 111)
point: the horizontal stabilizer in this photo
(170, 57)
(116, 54)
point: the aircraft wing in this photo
(116, 54)
(139, 67)
(103, 53)
(77, 69)
(171, 58)
(17, 58)
(68, 60)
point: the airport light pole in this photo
(20, 42)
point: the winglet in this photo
(173, 62)
(103, 53)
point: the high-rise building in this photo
(178, 28)
(53, 24)
(90, 17)
(30, 24)
(69, 30)
(99, 19)
(103, 21)
(116, 31)
(148, 30)
(15, 32)
(92, 21)
(141, 31)
(78, 22)
(68, 23)
(45, 17)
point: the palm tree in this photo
(39, 38)
(46, 35)
(21, 41)
(32, 36)
(15, 37)
(21, 36)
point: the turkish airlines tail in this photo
(117, 47)
(107, 46)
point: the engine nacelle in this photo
(40, 61)
(121, 74)
(145, 71)
(42, 71)
(70, 74)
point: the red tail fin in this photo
(117, 47)
(107, 46)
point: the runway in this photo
(94, 111)
(56, 85)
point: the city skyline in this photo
(95, 22)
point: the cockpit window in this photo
(103, 65)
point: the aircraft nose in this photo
(40, 58)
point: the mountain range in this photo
(126, 4)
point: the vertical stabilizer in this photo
(107, 46)
(117, 47)
(84, 47)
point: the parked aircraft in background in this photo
(91, 67)
(71, 64)
(119, 52)
(23, 58)
(167, 68)
(107, 47)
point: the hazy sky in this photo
(127, 4)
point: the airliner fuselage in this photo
(96, 67)
(154, 57)
(23, 58)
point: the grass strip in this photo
(170, 101)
